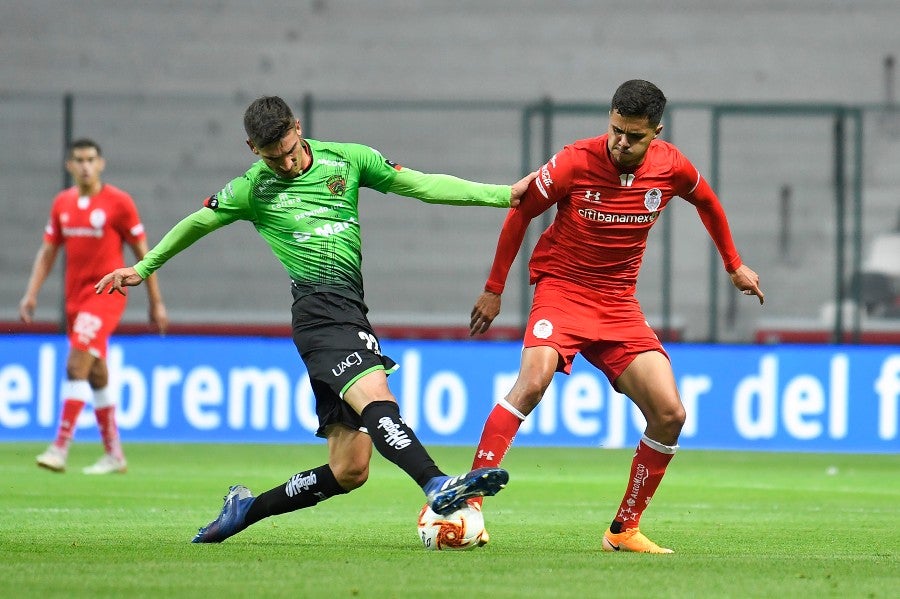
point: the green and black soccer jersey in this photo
(311, 222)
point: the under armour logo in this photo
(592, 196)
(626, 179)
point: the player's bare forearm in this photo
(43, 264)
(486, 309)
(118, 279)
(160, 317)
(154, 295)
(158, 313)
(746, 279)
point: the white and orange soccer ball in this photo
(461, 529)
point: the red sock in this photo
(500, 429)
(68, 421)
(647, 469)
(106, 421)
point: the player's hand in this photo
(118, 279)
(745, 279)
(519, 188)
(26, 309)
(486, 309)
(160, 317)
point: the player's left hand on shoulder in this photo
(519, 188)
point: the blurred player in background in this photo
(302, 198)
(608, 191)
(91, 221)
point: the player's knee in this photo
(351, 477)
(528, 392)
(674, 418)
(77, 372)
(98, 381)
(669, 417)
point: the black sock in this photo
(304, 489)
(397, 442)
(615, 527)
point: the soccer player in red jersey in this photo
(91, 220)
(608, 191)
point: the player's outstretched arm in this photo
(118, 279)
(486, 309)
(182, 235)
(745, 279)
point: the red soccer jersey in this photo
(92, 230)
(603, 216)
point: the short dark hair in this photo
(639, 98)
(80, 144)
(267, 120)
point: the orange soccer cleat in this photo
(631, 540)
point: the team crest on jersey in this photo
(97, 218)
(337, 185)
(212, 202)
(652, 199)
(542, 329)
(392, 164)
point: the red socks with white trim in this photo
(647, 470)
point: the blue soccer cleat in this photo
(231, 518)
(446, 493)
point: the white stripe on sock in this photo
(78, 389)
(669, 449)
(511, 409)
(102, 399)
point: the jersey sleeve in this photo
(713, 217)
(128, 224)
(181, 236)
(232, 203)
(220, 209)
(375, 171)
(690, 185)
(508, 244)
(685, 176)
(447, 189)
(546, 190)
(381, 174)
(53, 230)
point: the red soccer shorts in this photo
(92, 320)
(608, 331)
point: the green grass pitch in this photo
(742, 525)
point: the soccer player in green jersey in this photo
(302, 198)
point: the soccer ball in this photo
(461, 529)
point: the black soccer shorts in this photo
(338, 346)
